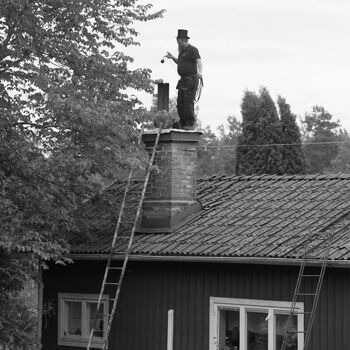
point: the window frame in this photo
(272, 307)
(84, 299)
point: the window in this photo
(76, 314)
(245, 324)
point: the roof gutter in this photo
(211, 259)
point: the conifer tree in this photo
(260, 126)
(246, 155)
(293, 157)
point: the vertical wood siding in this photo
(151, 289)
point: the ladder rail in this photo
(111, 250)
(295, 294)
(113, 245)
(109, 259)
(139, 208)
(110, 254)
(293, 306)
(318, 291)
(324, 261)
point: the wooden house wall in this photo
(152, 288)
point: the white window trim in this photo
(270, 306)
(79, 341)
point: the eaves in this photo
(211, 259)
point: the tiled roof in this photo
(245, 216)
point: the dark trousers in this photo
(187, 88)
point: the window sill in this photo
(79, 343)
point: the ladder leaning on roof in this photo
(298, 293)
(118, 280)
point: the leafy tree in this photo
(234, 129)
(216, 154)
(293, 158)
(228, 141)
(172, 114)
(207, 153)
(260, 126)
(320, 128)
(341, 163)
(18, 312)
(67, 124)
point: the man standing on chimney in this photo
(189, 67)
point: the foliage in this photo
(249, 109)
(270, 141)
(341, 163)
(216, 153)
(18, 318)
(228, 141)
(260, 126)
(67, 125)
(319, 127)
(293, 158)
(207, 153)
(172, 115)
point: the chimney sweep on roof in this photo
(189, 67)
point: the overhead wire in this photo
(277, 144)
(249, 145)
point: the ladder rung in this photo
(130, 206)
(97, 330)
(300, 312)
(305, 294)
(130, 222)
(134, 191)
(115, 268)
(104, 315)
(296, 331)
(111, 283)
(310, 275)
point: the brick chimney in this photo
(171, 192)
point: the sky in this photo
(299, 49)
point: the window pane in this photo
(229, 330)
(91, 309)
(257, 327)
(74, 317)
(281, 325)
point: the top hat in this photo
(182, 33)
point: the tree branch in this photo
(36, 125)
(3, 45)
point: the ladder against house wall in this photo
(114, 275)
(309, 274)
